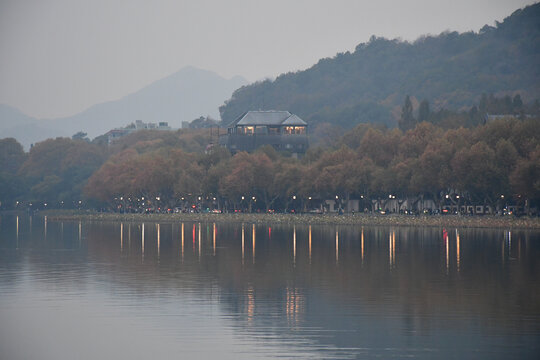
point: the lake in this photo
(112, 290)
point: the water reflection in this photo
(121, 237)
(309, 244)
(182, 232)
(457, 250)
(392, 249)
(331, 296)
(337, 247)
(142, 241)
(243, 236)
(362, 244)
(294, 245)
(214, 238)
(158, 240)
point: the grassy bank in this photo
(357, 219)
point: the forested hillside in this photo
(450, 70)
(496, 163)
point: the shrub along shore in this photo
(308, 219)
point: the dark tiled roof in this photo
(294, 120)
(271, 117)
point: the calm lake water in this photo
(72, 290)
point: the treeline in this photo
(369, 84)
(151, 169)
(56, 171)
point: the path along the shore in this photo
(330, 219)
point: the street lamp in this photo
(294, 197)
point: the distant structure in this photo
(491, 117)
(280, 129)
(115, 134)
(201, 123)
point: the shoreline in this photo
(308, 219)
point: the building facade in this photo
(116, 134)
(279, 129)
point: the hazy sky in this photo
(58, 57)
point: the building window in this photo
(297, 130)
(272, 130)
(263, 130)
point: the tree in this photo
(423, 111)
(517, 103)
(71, 161)
(80, 136)
(475, 171)
(525, 179)
(12, 155)
(407, 121)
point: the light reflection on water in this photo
(203, 290)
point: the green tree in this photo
(525, 179)
(407, 121)
(423, 111)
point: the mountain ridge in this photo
(182, 96)
(451, 70)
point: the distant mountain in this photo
(183, 96)
(27, 130)
(450, 70)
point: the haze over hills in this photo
(450, 70)
(182, 96)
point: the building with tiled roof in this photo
(280, 129)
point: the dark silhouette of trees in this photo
(407, 120)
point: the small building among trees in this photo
(280, 129)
